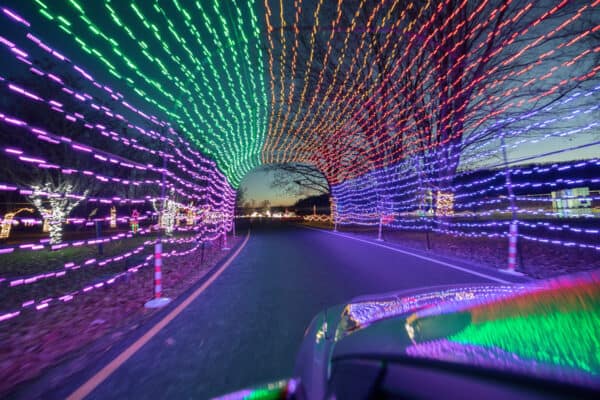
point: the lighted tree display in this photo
(61, 200)
(168, 213)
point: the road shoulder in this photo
(460, 265)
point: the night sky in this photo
(257, 184)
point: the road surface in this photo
(246, 327)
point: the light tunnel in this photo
(463, 133)
(458, 117)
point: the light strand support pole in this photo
(513, 232)
(158, 301)
(513, 235)
(379, 235)
(512, 246)
(225, 247)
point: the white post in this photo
(158, 301)
(225, 247)
(379, 236)
(158, 270)
(513, 232)
(512, 246)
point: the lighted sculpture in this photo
(134, 221)
(190, 215)
(445, 204)
(113, 217)
(62, 202)
(46, 217)
(167, 214)
(8, 220)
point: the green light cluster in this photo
(568, 338)
(194, 64)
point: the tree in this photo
(240, 198)
(62, 201)
(297, 179)
(472, 70)
(387, 82)
(52, 163)
(249, 206)
(307, 205)
(264, 205)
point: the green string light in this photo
(193, 65)
(559, 332)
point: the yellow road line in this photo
(111, 367)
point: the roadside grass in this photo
(536, 259)
(28, 263)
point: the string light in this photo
(405, 109)
(7, 222)
(97, 108)
(113, 217)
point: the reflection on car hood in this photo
(364, 311)
(548, 330)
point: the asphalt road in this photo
(246, 327)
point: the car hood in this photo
(546, 330)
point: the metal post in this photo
(162, 195)
(99, 237)
(202, 253)
(513, 233)
(225, 247)
(512, 246)
(379, 236)
(159, 301)
(158, 270)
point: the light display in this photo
(318, 218)
(401, 105)
(7, 221)
(569, 202)
(190, 215)
(61, 200)
(444, 204)
(118, 179)
(167, 210)
(195, 74)
(90, 263)
(547, 330)
(113, 217)
(314, 113)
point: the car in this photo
(520, 341)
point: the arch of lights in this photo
(416, 112)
